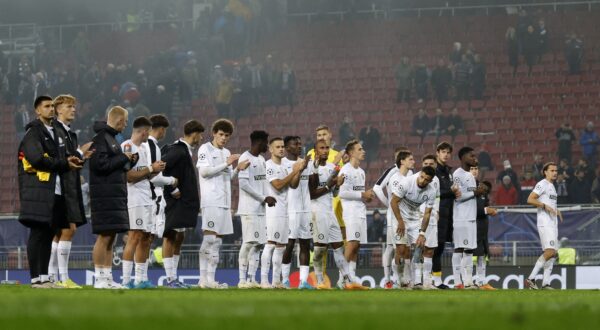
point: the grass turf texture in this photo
(24, 308)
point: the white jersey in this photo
(412, 196)
(465, 207)
(252, 196)
(299, 198)
(325, 202)
(139, 193)
(547, 195)
(214, 176)
(159, 180)
(394, 181)
(351, 191)
(436, 207)
(277, 172)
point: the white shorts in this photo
(325, 228)
(411, 232)
(217, 219)
(464, 235)
(278, 229)
(158, 211)
(300, 225)
(431, 236)
(254, 228)
(141, 218)
(356, 230)
(548, 237)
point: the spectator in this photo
(456, 54)
(421, 124)
(478, 77)
(370, 138)
(454, 124)
(537, 167)
(580, 190)
(421, 81)
(561, 189)
(188, 81)
(542, 34)
(574, 53)
(566, 137)
(160, 100)
(589, 140)
(81, 48)
(376, 228)
(403, 76)
(22, 118)
(566, 169)
(441, 78)
(255, 83)
(462, 78)
(288, 85)
(224, 97)
(269, 80)
(596, 188)
(347, 130)
(512, 48)
(438, 123)
(485, 161)
(530, 47)
(507, 193)
(523, 23)
(584, 166)
(213, 82)
(508, 170)
(528, 182)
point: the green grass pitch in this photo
(25, 308)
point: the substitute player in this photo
(215, 171)
(482, 251)
(544, 197)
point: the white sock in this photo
(53, 264)
(457, 267)
(204, 256)
(265, 263)
(395, 271)
(108, 274)
(145, 271)
(418, 271)
(481, 267)
(318, 254)
(398, 270)
(253, 262)
(342, 265)
(536, 269)
(467, 264)
(277, 257)
(127, 268)
(352, 270)
(437, 279)
(427, 265)
(243, 260)
(285, 271)
(304, 270)
(168, 265)
(63, 250)
(406, 277)
(139, 273)
(388, 256)
(548, 271)
(213, 261)
(175, 265)
(98, 274)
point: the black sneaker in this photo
(443, 287)
(530, 284)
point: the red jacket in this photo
(507, 196)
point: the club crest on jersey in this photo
(202, 156)
(270, 171)
(139, 222)
(321, 236)
(425, 198)
(357, 234)
(277, 235)
(211, 224)
(256, 234)
(466, 242)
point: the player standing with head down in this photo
(544, 197)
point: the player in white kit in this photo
(279, 182)
(140, 205)
(299, 215)
(215, 169)
(464, 236)
(251, 208)
(354, 196)
(323, 183)
(544, 198)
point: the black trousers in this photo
(445, 229)
(38, 248)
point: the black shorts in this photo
(59, 213)
(483, 248)
(445, 226)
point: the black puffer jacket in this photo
(37, 196)
(108, 182)
(71, 181)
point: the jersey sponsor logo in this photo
(471, 188)
(260, 177)
(358, 188)
(304, 177)
(553, 197)
(322, 184)
(211, 224)
(139, 222)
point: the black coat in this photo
(41, 150)
(71, 180)
(482, 218)
(182, 212)
(108, 182)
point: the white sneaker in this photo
(244, 285)
(101, 284)
(266, 285)
(215, 285)
(253, 285)
(278, 286)
(115, 286)
(429, 287)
